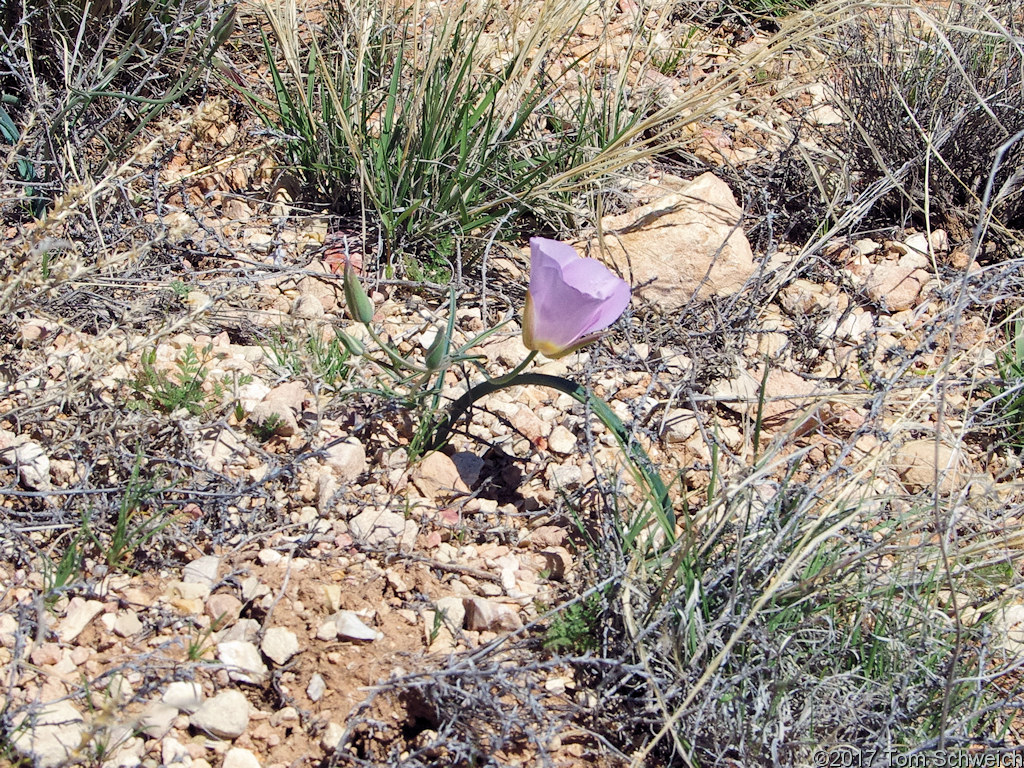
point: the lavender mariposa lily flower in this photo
(571, 299)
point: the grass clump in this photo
(936, 105)
(468, 121)
(81, 81)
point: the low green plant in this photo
(577, 627)
(138, 520)
(184, 390)
(327, 361)
(1009, 392)
(66, 571)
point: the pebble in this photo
(243, 661)
(331, 738)
(437, 476)
(202, 570)
(918, 464)
(79, 613)
(225, 715)
(351, 627)
(157, 719)
(237, 757)
(127, 624)
(377, 527)
(57, 730)
(316, 688)
(33, 465)
(347, 460)
(562, 441)
(489, 616)
(184, 696)
(223, 608)
(279, 644)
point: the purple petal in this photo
(570, 297)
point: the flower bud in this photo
(435, 353)
(358, 303)
(352, 344)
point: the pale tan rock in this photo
(220, 446)
(562, 441)
(896, 286)
(127, 624)
(223, 608)
(347, 459)
(544, 536)
(438, 477)
(202, 570)
(1008, 627)
(225, 715)
(377, 527)
(307, 308)
(79, 613)
(279, 644)
(53, 734)
(243, 661)
(331, 737)
(679, 426)
(689, 243)
(237, 757)
(920, 462)
(183, 695)
(488, 616)
(321, 283)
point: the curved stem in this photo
(637, 456)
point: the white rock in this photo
(127, 624)
(220, 446)
(351, 627)
(347, 460)
(270, 556)
(918, 242)
(452, 610)
(562, 440)
(316, 688)
(184, 696)
(279, 644)
(80, 612)
(202, 570)
(680, 425)
(8, 630)
(307, 308)
(939, 240)
(157, 719)
(33, 464)
(1008, 624)
(128, 752)
(243, 661)
(51, 736)
(563, 476)
(225, 715)
(327, 631)
(331, 737)
(173, 751)
(376, 527)
(237, 757)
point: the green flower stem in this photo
(636, 455)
